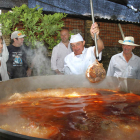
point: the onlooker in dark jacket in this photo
(17, 62)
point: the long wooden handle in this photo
(121, 31)
(95, 37)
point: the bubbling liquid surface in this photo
(73, 114)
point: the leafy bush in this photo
(36, 26)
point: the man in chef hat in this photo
(79, 60)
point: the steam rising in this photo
(12, 118)
(39, 57)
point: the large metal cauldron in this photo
(22, 85)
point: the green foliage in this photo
(36, 26)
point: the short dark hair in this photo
(12, 40)
(65, 28)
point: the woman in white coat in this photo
(4, 55)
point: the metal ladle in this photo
(95, 37)
(95, 72)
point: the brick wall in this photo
(75, 25)
(110, 34)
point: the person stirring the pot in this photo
(125, 64)
(79, 60)
(3, 59)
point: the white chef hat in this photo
(76, 38)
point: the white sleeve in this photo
(110, 71)
(100, 56)
(3, 59)
(138, 77)
(5, 53)
(54, 59)
(66, 69)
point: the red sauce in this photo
(78, 114)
